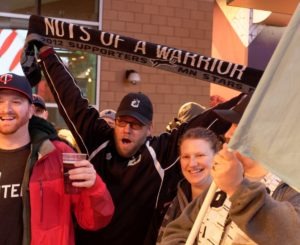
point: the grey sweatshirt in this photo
(266, 220)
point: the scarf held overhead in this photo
(61, 34)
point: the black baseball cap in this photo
(16, 83)
(136, 105)
(38, 101)
(235, 114)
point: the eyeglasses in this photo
(133, 125)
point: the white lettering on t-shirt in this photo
(10, 191)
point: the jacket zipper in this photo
(42, 201)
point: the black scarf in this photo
(56, 33)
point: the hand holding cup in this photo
(78, 172)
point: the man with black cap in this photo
(141, 171)
(40, 109)
(34, 208)
(251, 206)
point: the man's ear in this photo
(31, 110)
(150, 129)
(46, 114)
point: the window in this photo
(82, 65)
(67, 9)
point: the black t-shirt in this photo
(12, 166)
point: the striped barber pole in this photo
(11, 44)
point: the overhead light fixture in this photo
(132, 76)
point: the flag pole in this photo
(196, 227)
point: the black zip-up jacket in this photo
(141, 186)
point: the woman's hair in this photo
(204, 134)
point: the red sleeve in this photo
(94, 206)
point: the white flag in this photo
(269, 130)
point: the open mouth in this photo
(126, 141)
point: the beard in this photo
(10, 127)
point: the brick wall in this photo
(181, 24)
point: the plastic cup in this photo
(69, 159)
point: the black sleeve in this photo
(209, 119)
(82, 119)
(166, 144)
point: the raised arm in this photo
(82, 119)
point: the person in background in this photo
(66, 135)
(197, 148)
(189, 110)
(34, 208)
(215, 100)
(40, 109)
(186, 113)
(109, 115)
(141, 171)
(251, 206)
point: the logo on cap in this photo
(6, 78)
(135, 103)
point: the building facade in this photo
(179, 24)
